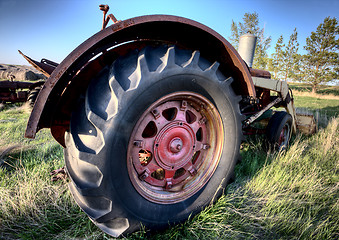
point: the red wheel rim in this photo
(284, 136)
(175, 147)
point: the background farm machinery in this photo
(19, 91)
(12, 91)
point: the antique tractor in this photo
(19, 91)
(151, 112)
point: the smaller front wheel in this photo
(34, 92)
(278, 130)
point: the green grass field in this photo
(287, 195)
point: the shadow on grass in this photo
(28, 157)
(254, 155)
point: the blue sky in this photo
(53, 28)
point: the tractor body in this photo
(151, 113)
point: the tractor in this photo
(151, 112)
(19, 91)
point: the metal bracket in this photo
(105, 20)
(254, 117)
(282, 88)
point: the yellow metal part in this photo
(306, 123)
(274, 85)
(291, 110)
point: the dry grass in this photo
(315, 95)
(287, 195)
(293, 195)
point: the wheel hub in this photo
(173, 146)
(176, 145)
(284, 136)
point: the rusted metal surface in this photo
(13, 97)
(175, 147)
(13, 91)
(306, 123)
(105, 20)
(284, 136)
(15, 84)
(46, 66)
(255, 116)
(156, 28)
(260, 73)
(49, 62)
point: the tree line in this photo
(319, 65)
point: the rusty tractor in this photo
(151, 112)
(12, 91)
(19, 91)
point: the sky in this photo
(53, 28)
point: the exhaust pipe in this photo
(247, 43)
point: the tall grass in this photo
(13, 120)
(286, 195)
(292, 195)
(31, 205)
(299, 189)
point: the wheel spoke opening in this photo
(190, 117)
(199, 134)
(158, 174)
(170, 114)
(195, 157)
(145, 157)
(150, 130)
(178, 173)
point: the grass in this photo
(321, 107)
(13, 122)
(286, 195)
(316, 103)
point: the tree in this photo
(290, 57)
(275, 63)
(321, 63)
(250, 24)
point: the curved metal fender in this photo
(183, 32)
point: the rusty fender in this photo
(71, 77)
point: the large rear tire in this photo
(154, 140)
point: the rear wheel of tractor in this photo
(154, 140)
(279, 131)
